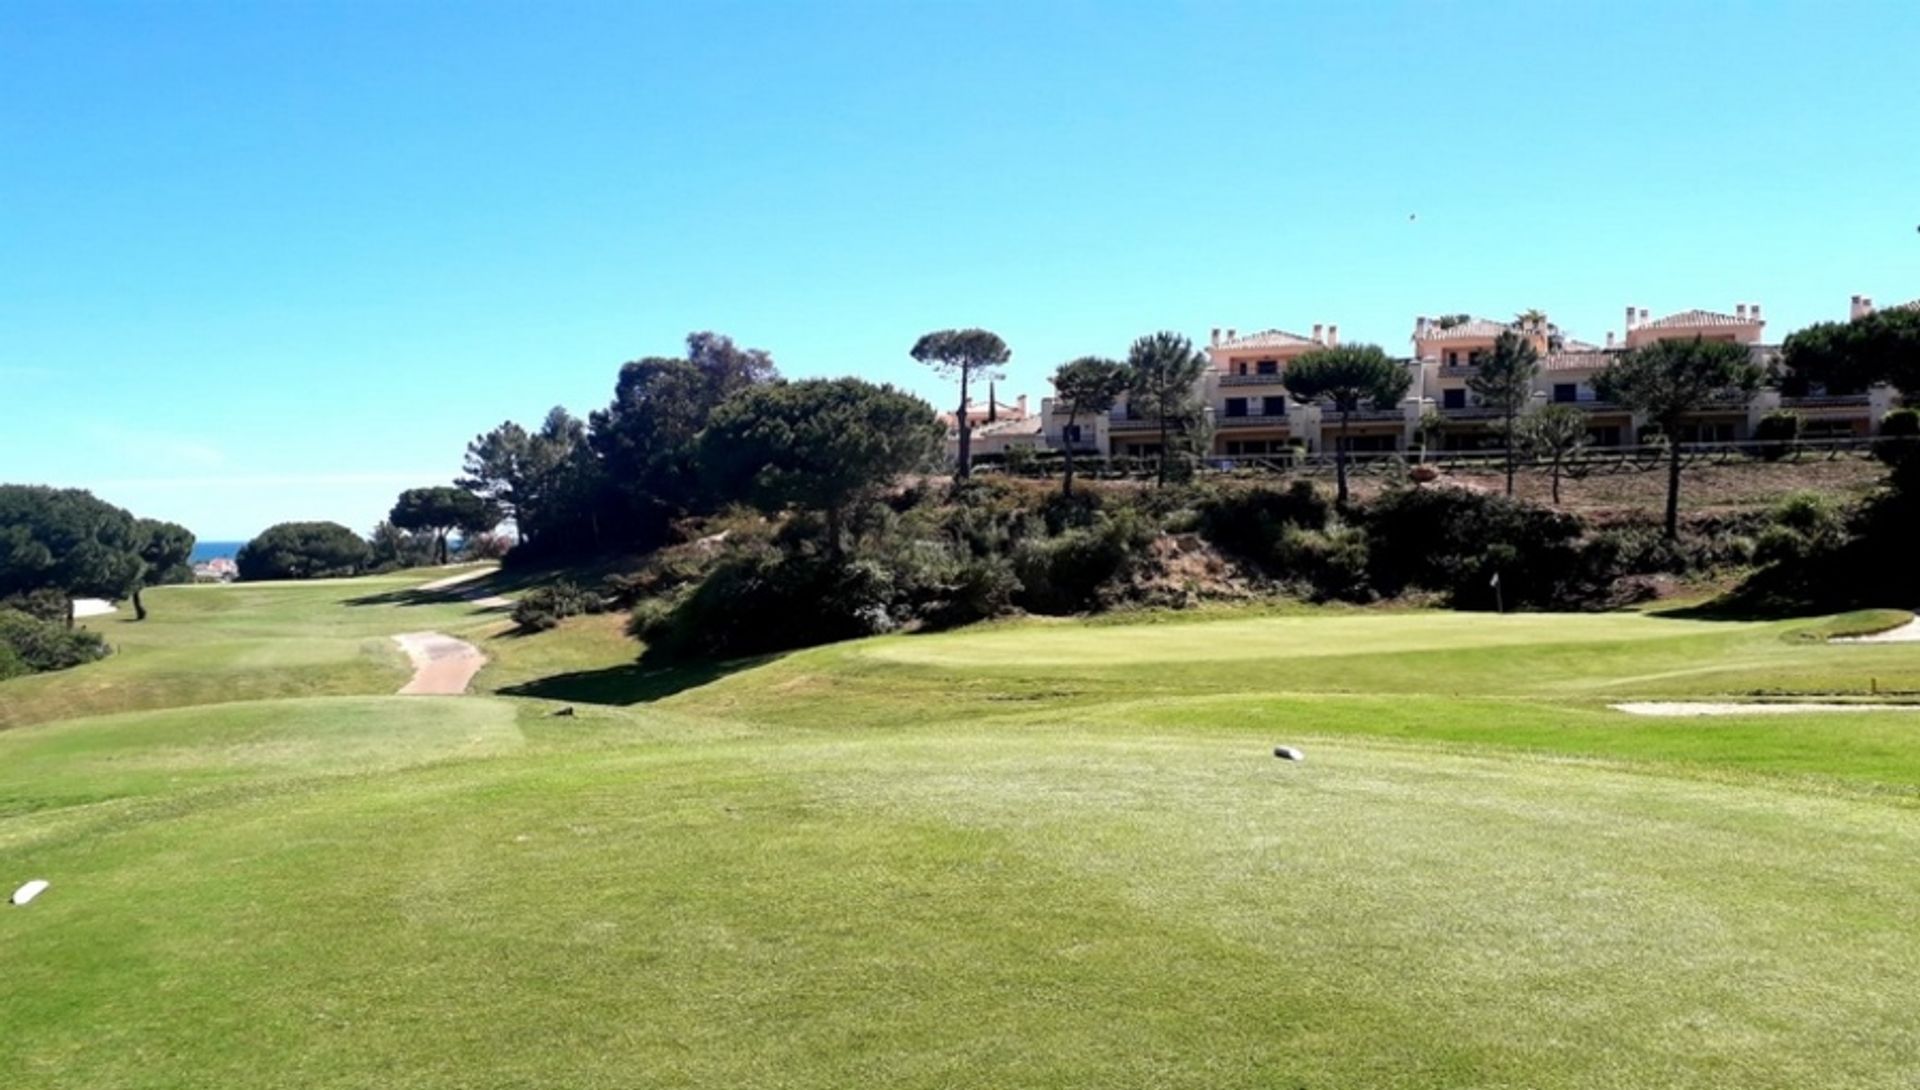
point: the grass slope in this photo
(1033, 855)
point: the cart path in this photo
(442, 665)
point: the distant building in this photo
(221, 569)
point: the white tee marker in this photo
(29, 891)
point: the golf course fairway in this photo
(1034, 854)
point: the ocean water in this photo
(207, 550)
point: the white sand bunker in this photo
(1906, 633)
(93, 607)
(1704, 707)
(442, 665)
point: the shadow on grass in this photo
(634, 683)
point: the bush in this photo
(1329, 563)
(762, 600)
(303, 550)
(1774, 436)
(1899, 436)
(47, 604)
(545, 607)
(1068, 572)
(1252, 523)
(1456, 541)
(39, 645)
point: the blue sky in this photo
(262, 261)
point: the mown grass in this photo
(1029, 855)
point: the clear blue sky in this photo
(262, 261)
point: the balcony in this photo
(1123, 423)
(1828, 401)
(1253, 380)
(1364, 414)
(1459, 370)
(1252, 420)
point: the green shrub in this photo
(763, 600)
(545, 607)
(1068, 572)
(1775, 435)
(1899, 436)
(1251, 523)
(1455, 542)
(46, 603)
(1329, 563)
(39, 646)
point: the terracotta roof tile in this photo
(1472, 328)
(1697, 319)
(1591, 359)
(1267, 338)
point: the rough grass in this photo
(1029, 855)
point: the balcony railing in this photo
(1827, 401)
(1124, 423)
(1252, 420)
(1252, 380)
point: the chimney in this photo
(1740, 311)
(1021, 403)
(1629, 319)
(1643, 315)
(1216, 331)
(1232, 333)
(1753, 311)
(1421, 327)
(1317, 338)
(993, 405)
(1857, 308)
(1609, 339)
(1333, 336)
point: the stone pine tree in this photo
(440, 511)
(1163, 371)
(1087, 385)
(1347, 376)
(1504, 383)
(1552, 434)
(166, 552)
(966, 354)
(1667, 381)
(822, 445)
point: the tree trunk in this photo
(965, 468)
(1510, 452)
(1066, 487)
(440, 546)
(1162, 482)
(1673, 484)
(1556, 482)
(69, 612)
(139, 607)
(833, 531)
(1340, 459)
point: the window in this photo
(1473, 358)
(1566, 393)
(1240, 368)
(1453, 359)
(1273, 406)
(1236, 406)
(1233, 448)
(1071, 433)
(1269, 367)
(1453, 399)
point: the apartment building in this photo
(1251, 414)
